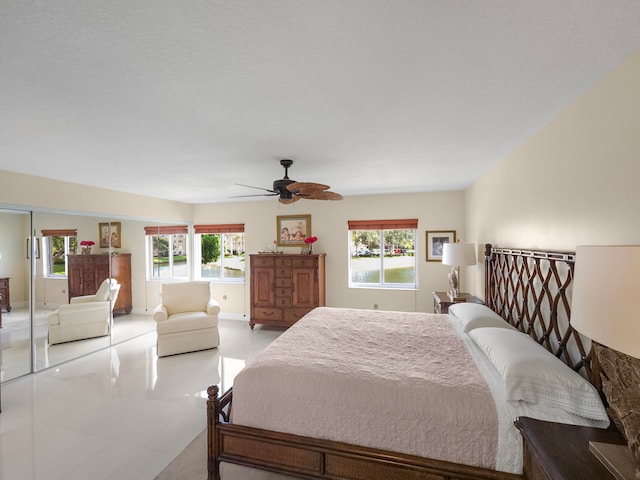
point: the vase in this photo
(306, 249)
(86, 250)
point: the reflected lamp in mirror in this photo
(456, 255)
(605, 309)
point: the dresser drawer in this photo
(267, 314)
(294, 314)
(283, 262)
(260, 261)
(283, 292)
(283, 271)
(304, 261)
(283, 302)
(283, 282)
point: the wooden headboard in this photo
(532, 291)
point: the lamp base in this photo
(617, 458)
(454, 285)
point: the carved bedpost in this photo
(213, 414)
(487, 275)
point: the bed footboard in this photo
(312, 458)
(218, 413)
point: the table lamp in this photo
(605, 309)
(457, 254)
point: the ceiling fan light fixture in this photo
(287, 201)
(290, 191)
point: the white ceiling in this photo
(181, 99)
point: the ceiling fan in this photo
(291, 191)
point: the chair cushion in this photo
(181, 322)
(186, 296)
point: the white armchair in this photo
(108, 289)
(187, 318)
(87, 316)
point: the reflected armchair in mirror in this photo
(86, 316)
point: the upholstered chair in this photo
(87, 316)
(187, 318)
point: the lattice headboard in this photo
(532, 291)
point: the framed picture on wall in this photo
(110, 234)
(435, 242)
(291, 230)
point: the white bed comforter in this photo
(407, 382)
(366, 377)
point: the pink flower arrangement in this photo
(311, 240)
(87, 243)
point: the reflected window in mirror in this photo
(167, 252)
(58, 244)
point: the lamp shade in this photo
(605, 296)
(459, 254)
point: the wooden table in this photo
(442, 301)
(556, 451)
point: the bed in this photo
(334, 398)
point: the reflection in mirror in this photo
(15, 278)
(133, 309)
(71, 316)
(51, 319)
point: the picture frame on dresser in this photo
(435, 240)
(291, 230)
(110, 233)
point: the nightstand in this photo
(556, 451)
(442, 302)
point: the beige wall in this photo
(575, 182)
(434, 211)
(36, 193)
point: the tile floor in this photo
(119, 413)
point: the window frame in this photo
(48, 262)
(381, 226)
(223, 230)
(170, 232)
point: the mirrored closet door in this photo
(15, 289)
(53, 262)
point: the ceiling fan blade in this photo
(299, 187)
(257, 188)
(255, 195)
(326, 195)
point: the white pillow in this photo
(475, 315)
(534, 375)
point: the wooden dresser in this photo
(285, 287)
(87, 272)
(5, 295)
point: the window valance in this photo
(68, 232)
(220, 228)
(166, 230)
(383, 224)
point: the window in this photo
(57, 245)
(382, 253)
(221, 252)
(168, 252)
